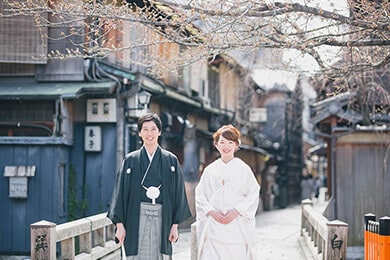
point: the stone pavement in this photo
(277, 235)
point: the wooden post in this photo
(43, 240)
(384, 238)
(370, 250)
(336, 244)
(194, 242)
(376, 240)
(303, 217)
(367, 234)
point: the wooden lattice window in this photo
(27, 118)
(22, 40)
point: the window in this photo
(213, 78)
(27, 118)
(22, 29)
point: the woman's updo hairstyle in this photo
(229, 132)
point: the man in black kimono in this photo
(149, 197)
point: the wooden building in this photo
(66, 124)
(358, 172)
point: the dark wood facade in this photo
(44, 122)
(358, 172)
(362, 176)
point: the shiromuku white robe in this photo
(222, 187)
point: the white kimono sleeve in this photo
(203, 205)
(248, 206)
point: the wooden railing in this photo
(325, 239)
(87, 238)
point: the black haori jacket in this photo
(126, 198)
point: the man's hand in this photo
(120, 232)
(173, 234)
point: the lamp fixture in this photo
(143, 98)
(139, 101)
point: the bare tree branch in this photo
(214, 27)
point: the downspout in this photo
(333, 151)
(98, 74)
(57, 117)
(120, 124)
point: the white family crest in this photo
(153, 193)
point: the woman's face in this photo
(149, 133)
(226, 147)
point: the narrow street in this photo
(277, 235)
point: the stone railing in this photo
(86, 238)
(326, 240)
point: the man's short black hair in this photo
(149, 117)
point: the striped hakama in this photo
(149, 239)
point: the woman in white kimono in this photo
(227, 198)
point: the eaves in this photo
(156, 87)
(27, 90)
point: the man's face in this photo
(149, 133)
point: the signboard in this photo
(18, 179)
(101, 110)
(257, 115)
(93, 139)
(18, 187)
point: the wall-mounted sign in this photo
(18, 180)
(17, 187)
(93, 139)
(101, 110)
(258, 115)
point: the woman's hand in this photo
(218, 216)
(230, 216)
(224, 218)
(173, 234)
(120, 232)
